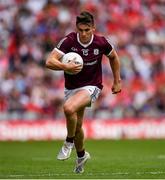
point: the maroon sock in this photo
(81, 153)
(70, 139)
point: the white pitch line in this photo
(88, 174)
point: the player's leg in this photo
(76, 102)
(82, 155)
(79, 135)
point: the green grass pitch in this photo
(110, 159)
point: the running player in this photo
(84, 87)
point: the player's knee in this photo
(68, 110)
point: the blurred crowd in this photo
(30, 29)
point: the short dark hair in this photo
(85, 18)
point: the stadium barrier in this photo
(94, 129)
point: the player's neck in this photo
(85, 44)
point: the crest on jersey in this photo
(85, 52)
(96, 51)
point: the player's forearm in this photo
(115, 66)
(54, 64)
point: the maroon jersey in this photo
(91, 53)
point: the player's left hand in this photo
(116, 87)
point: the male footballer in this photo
(83, 88)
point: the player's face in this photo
(85, 32)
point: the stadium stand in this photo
(29, 29)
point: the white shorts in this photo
(94, 92)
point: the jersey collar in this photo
(84, 45)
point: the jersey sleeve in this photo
(107, 46)
(64, 45)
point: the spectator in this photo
(29, 30)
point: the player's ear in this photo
(94, 28)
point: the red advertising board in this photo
(94, 129)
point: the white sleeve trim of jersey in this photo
(59, 51)
(110, 52)
(108, 40)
